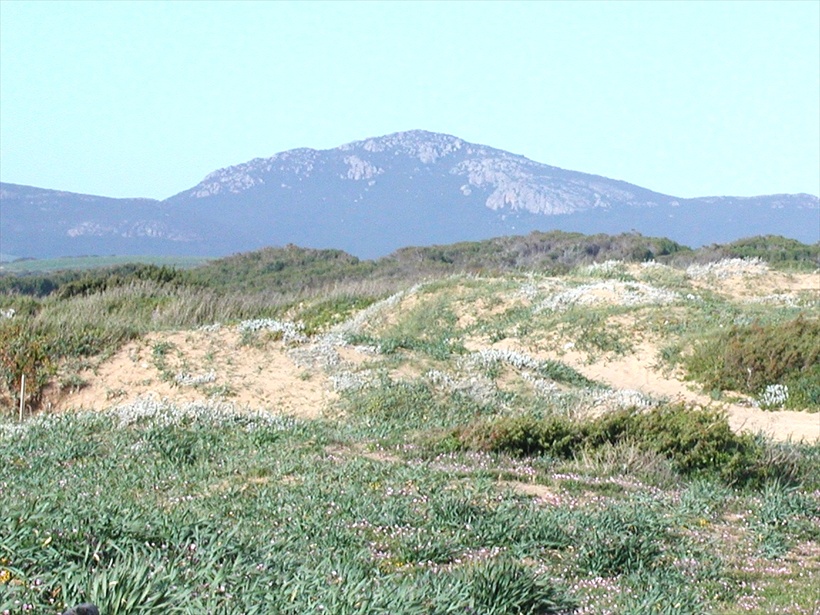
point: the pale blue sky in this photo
(146, 98)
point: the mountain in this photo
(372, 197)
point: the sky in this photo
(143, 99)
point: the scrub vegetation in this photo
(473, 456)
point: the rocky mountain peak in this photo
(373, 196)
(427, 147)
(238, 178)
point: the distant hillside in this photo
(372, 197)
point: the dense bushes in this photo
(284, 270)
(71, 283)
(750, 358)
(698, 442)
(778, 251)
(292, 269)
(121, 276)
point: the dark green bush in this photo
(698, 442)
(776, 250)
(749, 358)
(105, 279)
(779, 252)
(524, 435)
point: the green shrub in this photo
(778, 251)
(24, 351)
(97, 281)
(524, 435)
(750, 358)
(698, 442)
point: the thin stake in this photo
(22, 395)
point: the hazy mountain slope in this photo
(49, 223)
(372, 197)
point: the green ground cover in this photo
(228, 512)
(446, 479)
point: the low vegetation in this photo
(468, 463)
(253, 513)
(697, 443)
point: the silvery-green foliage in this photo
(487, 357)
(608, 292)
(188, 379)
(477, 387)
(162, 412)
(292, 332)
(728, 268)
(212, 328)
(774, 396)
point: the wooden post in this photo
(22, 395)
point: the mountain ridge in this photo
(373, 196)
(509, 174)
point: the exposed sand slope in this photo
(639, 372)
(216, 366)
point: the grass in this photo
(224, 511)
(459, 472)
(429, 325)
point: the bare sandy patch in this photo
(640, 372)
(198, 366)
(469, 313)
(744, 287)
(542, 493)
(387, 319)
